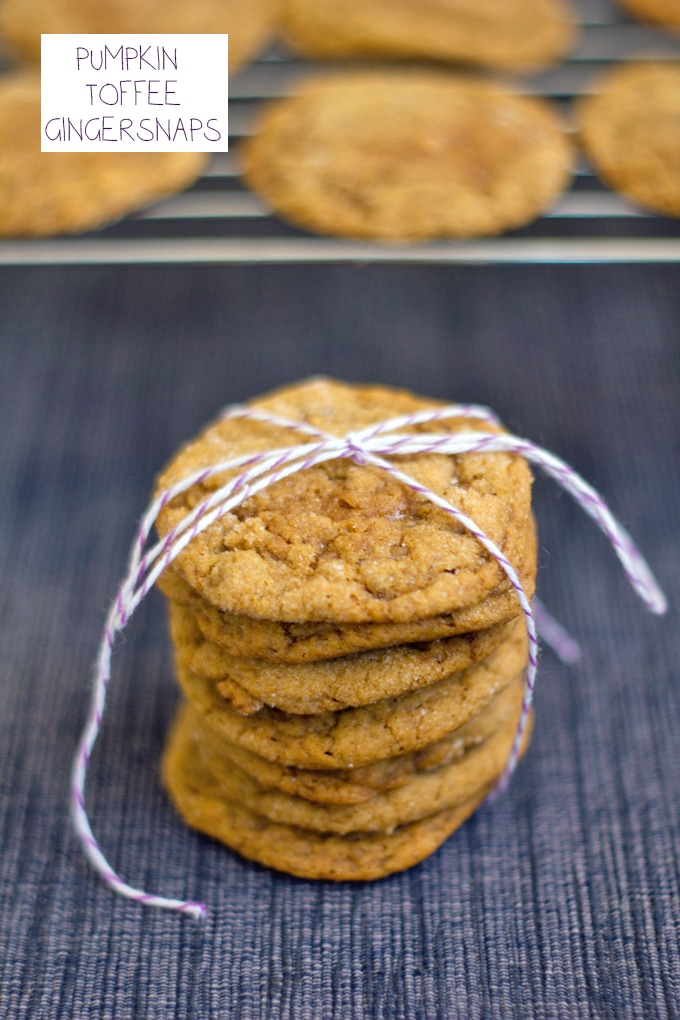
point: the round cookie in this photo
(630, 129)
(316, 687)
(197, 796)
(514, 34)
(423, 794)
(46, 193)
(360, 736)
(661, 12)
(342, 542)
(312, 642)
(408, 155)
(248, 23)
(362, 784)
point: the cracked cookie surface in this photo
(347, 543)
(330, 685)
(360, 736)
(423, 793)
(362, 783)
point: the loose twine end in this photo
(370, 446)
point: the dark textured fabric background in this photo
(562, 899)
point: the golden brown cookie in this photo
(512, 34)
(311, 642)
(423, 794)
(45, 193)
(330, 685)
(630, 129)
(408, 155)
(362, 784)
(360, 736)
(342, 542)
(198, 798)
(249, 23)
(661, 12)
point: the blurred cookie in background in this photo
(402, 155)
(249, 23)
(512, 34)
(48, 193)
(660, 12)
(630, 130)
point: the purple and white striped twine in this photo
(368, 446)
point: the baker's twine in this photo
(366, 446)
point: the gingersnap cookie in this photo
(343, 542)
(360, 736)
(197, 796)
(630, 129)
(311, 642)
(660, 12)
(425, 793)
(362, 784)
(515, 34)
(330, 685)
(46, 193)
(406, 156)
(249, 23)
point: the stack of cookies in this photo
(351, 658)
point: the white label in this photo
(141, 93)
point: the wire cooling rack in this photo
(220, 221)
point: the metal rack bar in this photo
(220, 221)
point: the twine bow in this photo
(367, 446)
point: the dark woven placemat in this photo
(560, 900)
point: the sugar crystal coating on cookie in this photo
(630, 128)
(333, 684)
(277, 641)
(420, 794)
(407, 155)
(361, 736)
(343, 542)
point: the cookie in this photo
(630, 129)
(46, 193)
(661, 12)
(197, 796)
(408, 155)
(514, 34)
(359, 785)
(330, 685)
(360, 736)
(311, 642)
(342, 542)
(423, 794)
(249, 23)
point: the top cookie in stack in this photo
(339, 621)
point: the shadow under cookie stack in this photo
(351, 659)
